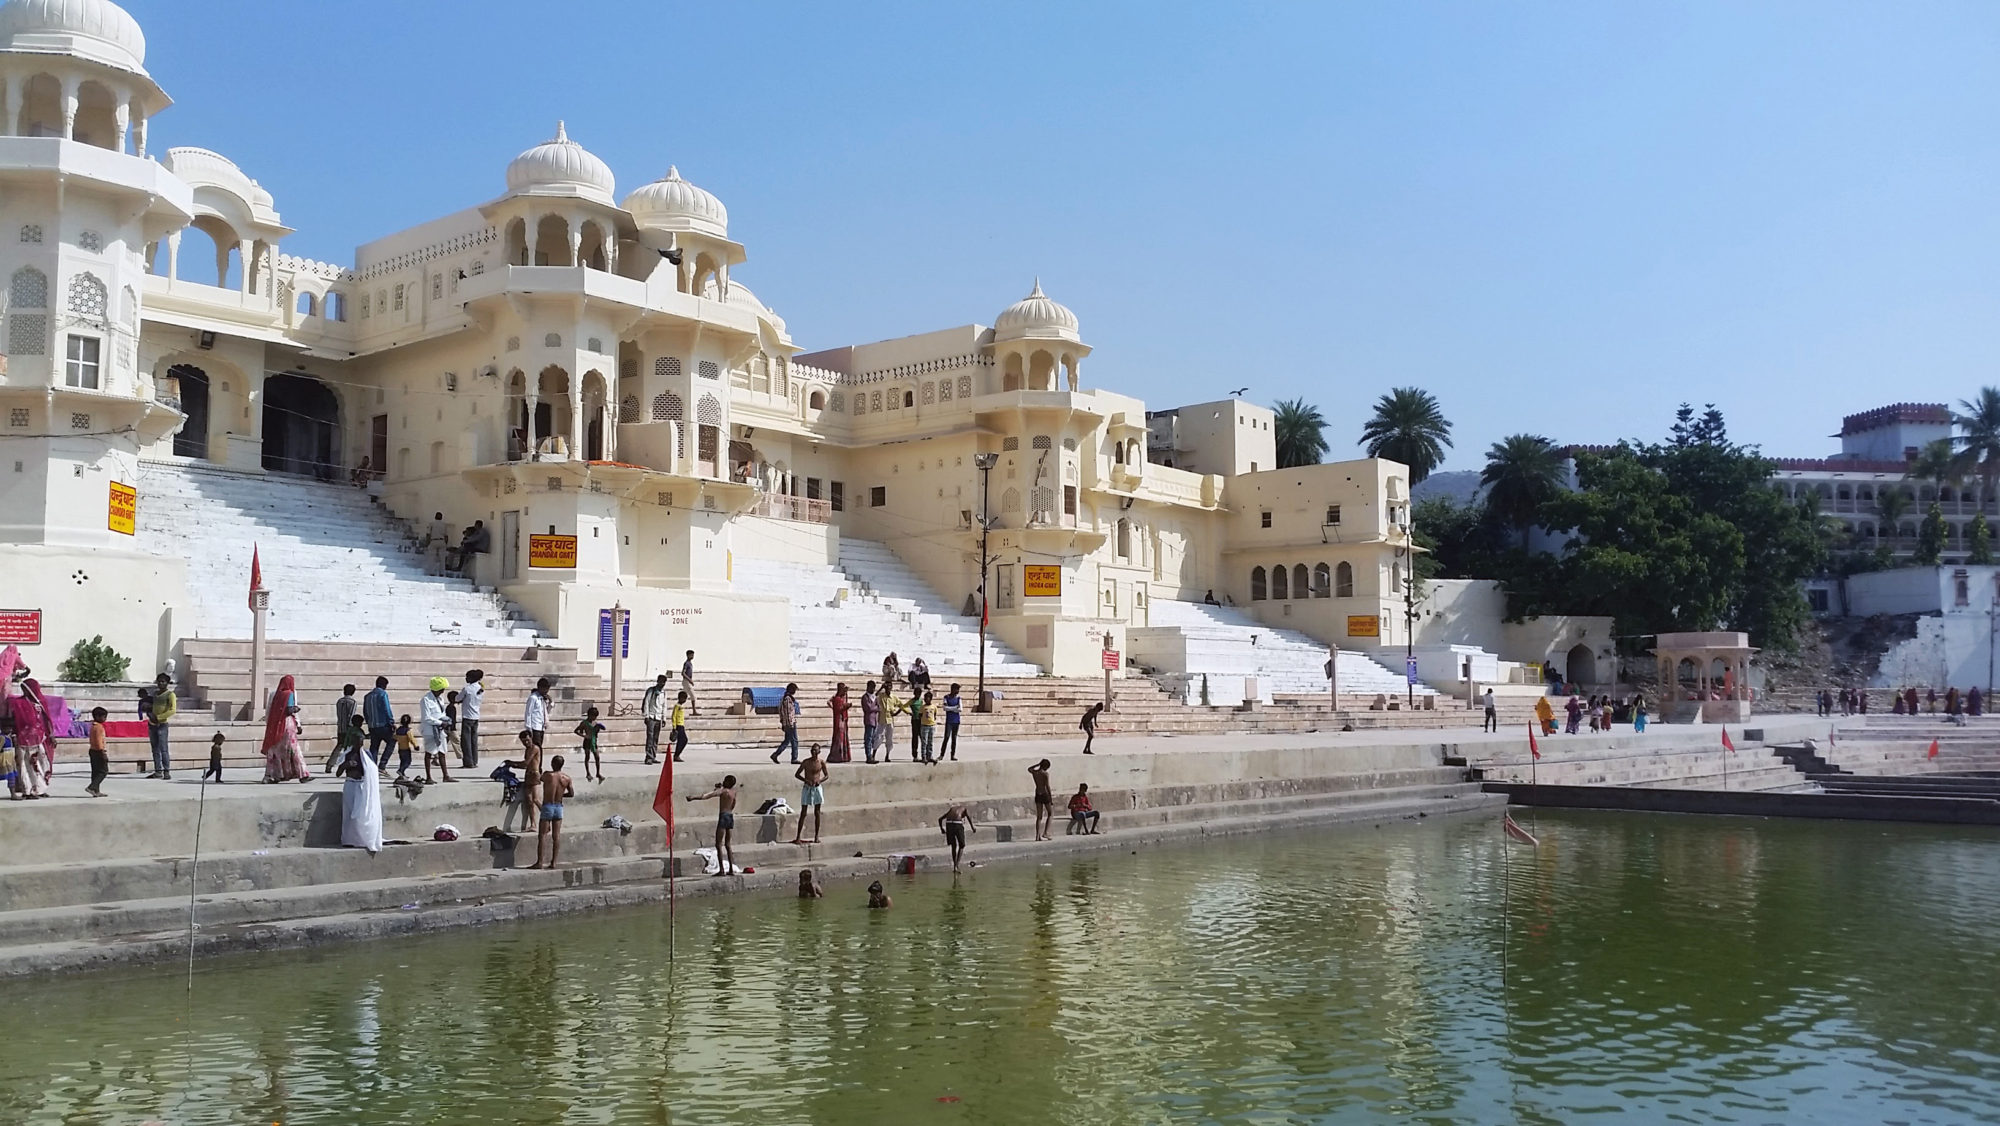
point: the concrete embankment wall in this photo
(242, 818)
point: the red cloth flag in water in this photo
(1932, 753)
(256, 577)
(1514, 830)
(663, 797)
(1726, 744)
(1534, 748)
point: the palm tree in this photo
(1979, 441)
(1936, 463)
(1522, 473)
(1893, 504)
(1410, 427)
(1299, 429)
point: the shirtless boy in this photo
(725, 823)
(530, 766)
(877, 898)
(812, 776)
(955, 821)
(555, 787)
(1045, 800)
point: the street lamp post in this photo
(985, 463)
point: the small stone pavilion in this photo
(1704, 677)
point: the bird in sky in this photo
(1238, 393)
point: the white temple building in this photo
(588, 376)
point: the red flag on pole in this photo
(663, 797)
(1726, 744)
(1514, 830)
(1534, 748)
(1932, 753)
(256, 577)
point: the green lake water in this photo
(1656, 969)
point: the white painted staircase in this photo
(339, 567)
(1185, 641)
(845, 619)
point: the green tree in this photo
(1301, 433)
(1930, 537)
(1410, 427)
(1892, 504)
(1936, 463)
(1522, 473)
(1979, 541)
(93, 662)
(1978, 442)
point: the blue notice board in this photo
(604, 635)
(1409, 663)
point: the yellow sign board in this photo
(1041, 581)
(551, 551)
(1364, 625)
(124, 509)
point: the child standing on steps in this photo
(588, 731)
(100, 757)
(406, 745)
(679, 720)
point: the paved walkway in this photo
(72, 773)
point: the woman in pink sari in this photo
(284, 754)
(840, 749)
(34, 742)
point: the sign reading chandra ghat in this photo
(551, 551)
(124, 517)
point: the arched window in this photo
(1281, 583)
(1322, 581)
(1010, 501)
(305, 306)
(1257, 591)
(1299, 587)
(667, 407)
(1117, 453)
(1395, 577)
(1124, 539)
(29, 289)
(335, 306)
(87, 297)
(1343, 581)
(628, 409)
(816, 401)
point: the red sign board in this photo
(1111, 658)
(20, 627)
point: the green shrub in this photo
(93, 662)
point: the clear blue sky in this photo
(1558, 218)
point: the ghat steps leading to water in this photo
(338, 566)
(267, 882)
(217, 672)
(1662, 757)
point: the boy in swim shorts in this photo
(812, 780)
(555, 787)
(725, 823)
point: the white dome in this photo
(1036, 315)
(560, 167)
(672, 204)
(92, 29)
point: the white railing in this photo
(803, 509)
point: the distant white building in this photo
(1876, 448)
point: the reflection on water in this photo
(1656, 969)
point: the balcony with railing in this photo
(805, 510)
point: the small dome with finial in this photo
(1036, 316)
(560, 167)
(672, 204)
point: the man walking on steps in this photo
(380, 716)
(788, 722)
(1492, 716)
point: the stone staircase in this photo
(1187, 641)
(339, 567)
(1655, 760)
(845, 619)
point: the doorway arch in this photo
(1581, 665)
(301, 426)
(189, 384)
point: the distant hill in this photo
(1460, 486)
